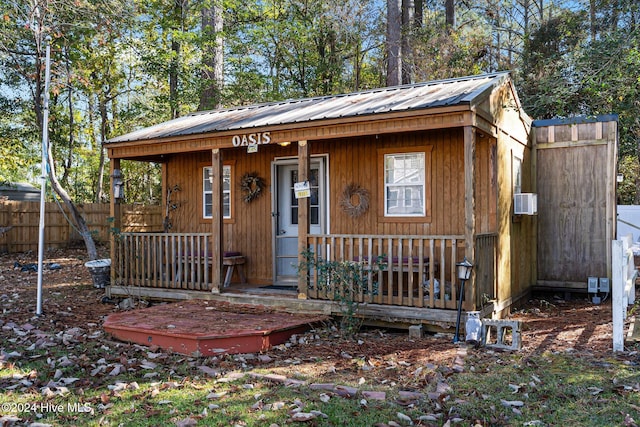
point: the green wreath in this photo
(252, 186)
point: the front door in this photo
(286, 216)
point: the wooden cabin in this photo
(401, 183)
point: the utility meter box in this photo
(592, 285)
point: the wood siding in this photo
(349, 161)
(516, 240)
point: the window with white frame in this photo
(404, 184)
(207, 193)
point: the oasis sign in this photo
(251, 139)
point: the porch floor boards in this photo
(208, 328)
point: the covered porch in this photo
(405, 279)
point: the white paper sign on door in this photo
(302, 189)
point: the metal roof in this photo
(419, 96)
(576, 120)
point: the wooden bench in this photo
(231, 260)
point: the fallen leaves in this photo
(414, 379)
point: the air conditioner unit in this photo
(525, 204)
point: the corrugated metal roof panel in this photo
(427, 95)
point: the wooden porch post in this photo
(470, 210)
(304, 166)
(115, 213)
(216, 221)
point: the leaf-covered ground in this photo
(62, 369)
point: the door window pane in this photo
(314, 201)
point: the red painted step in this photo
(207, 328)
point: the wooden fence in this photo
(23, 218)
(576, 185)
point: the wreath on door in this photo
(355, 200)
(252, 185)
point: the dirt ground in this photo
(70, 300)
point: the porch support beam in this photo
(304, 166)
(469, 210)
(115, 213)
(216, 221)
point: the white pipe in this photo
(43, 178)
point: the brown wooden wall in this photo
(486, 185)
(349, 161)
(576, 201)
(516, 271)
(521, 237)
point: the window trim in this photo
(382, 214)
(201, 197)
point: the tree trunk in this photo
(179, 10)
(418, 15)
(173, 79)
(357, 66)
(394, 42)
(525, 18)
(68, 163)
(38, 103)
(104, 125)
(213, 56)
(450, 14)
(592, 18)
(408, 8)
(76, 216)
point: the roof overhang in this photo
(450, 117)
(426, 106)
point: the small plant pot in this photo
(100, 270)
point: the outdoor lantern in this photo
(464, 274)
(464, 269)
(118, 184)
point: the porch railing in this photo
(163, 260)
(414, 271)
